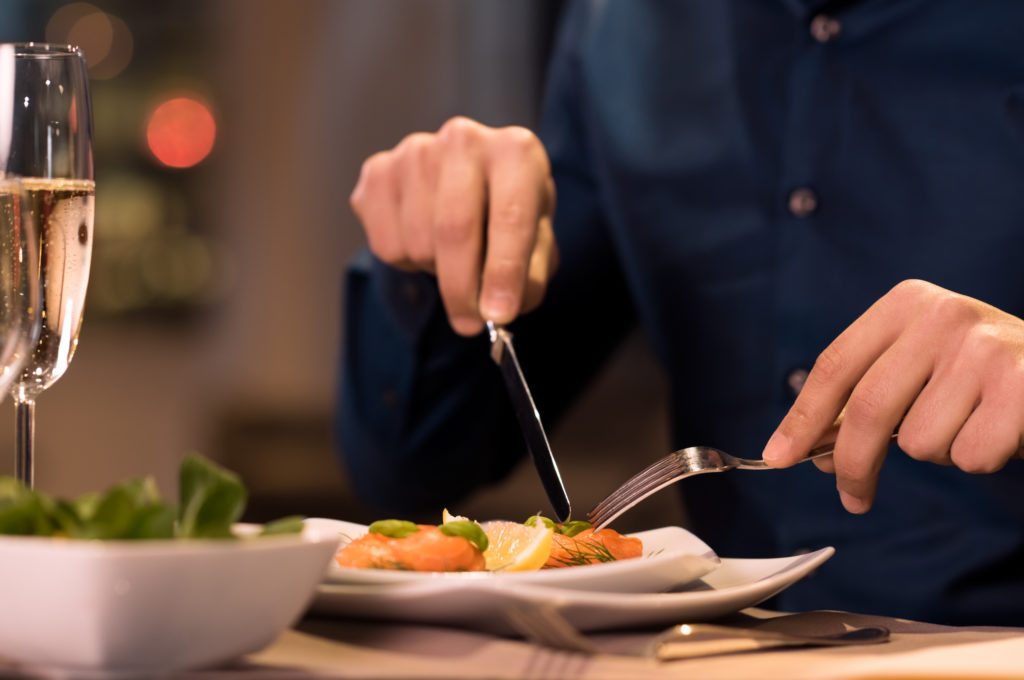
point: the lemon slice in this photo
(447, 517)
(516, 547)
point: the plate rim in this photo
(587, 609)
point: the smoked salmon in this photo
(425, 550)
(590, 547)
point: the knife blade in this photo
(504, 355)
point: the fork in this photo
(693, 460)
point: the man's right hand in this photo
(472, 205)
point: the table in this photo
(320, 648)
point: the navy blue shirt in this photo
(742, 179)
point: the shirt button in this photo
(803, 202)
(824, 28)
(795, 380)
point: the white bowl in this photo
(123, 608)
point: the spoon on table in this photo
(702, 639)
(546, 626)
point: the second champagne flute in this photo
(45, 114)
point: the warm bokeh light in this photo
(58, 28)
(180, 132)
(105, 39)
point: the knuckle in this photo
(916, 443)
(907, 286)
(416, 149)
(452, 228)
(830, 364)
(799, 419)
(518, 140)
(949, 311)
(521, 143)
(509, 213)
(982, 448)
(983, 343)
(912, 289)
(868, 403)
(460, 131)
(969, 458)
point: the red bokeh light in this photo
(180, 132)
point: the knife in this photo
(529, 419)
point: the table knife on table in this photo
(529, 419)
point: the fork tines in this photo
(652, 478)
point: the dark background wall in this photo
(214, 317)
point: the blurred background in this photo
(228, 135)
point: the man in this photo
(743, 179)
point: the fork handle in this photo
(817, 452)
(827, 449)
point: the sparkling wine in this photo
(63, 211)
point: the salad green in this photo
(210, 500)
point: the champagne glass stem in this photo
(25, 434)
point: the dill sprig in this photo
(584, 551)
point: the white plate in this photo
(736, 584)
(107, 609)
(672, 557)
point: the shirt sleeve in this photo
(423, 415)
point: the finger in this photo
(875, 408)
(458, 238)
(828, 386)
(419, 168)
(994, 432)
(827, 464)
(939, 412)
(375, 202)
(517, 174)
(543, 264)
(986, 441)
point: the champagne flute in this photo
(19, 281)
(45, 117)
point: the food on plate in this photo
(517, 547)
(396, 544)
(211, 500)
(590, 547)
(460, 544)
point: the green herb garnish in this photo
(393, 528)
(470, 531)
(533, 520)
(572, 528)
(569, 528)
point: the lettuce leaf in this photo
(211, 500)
